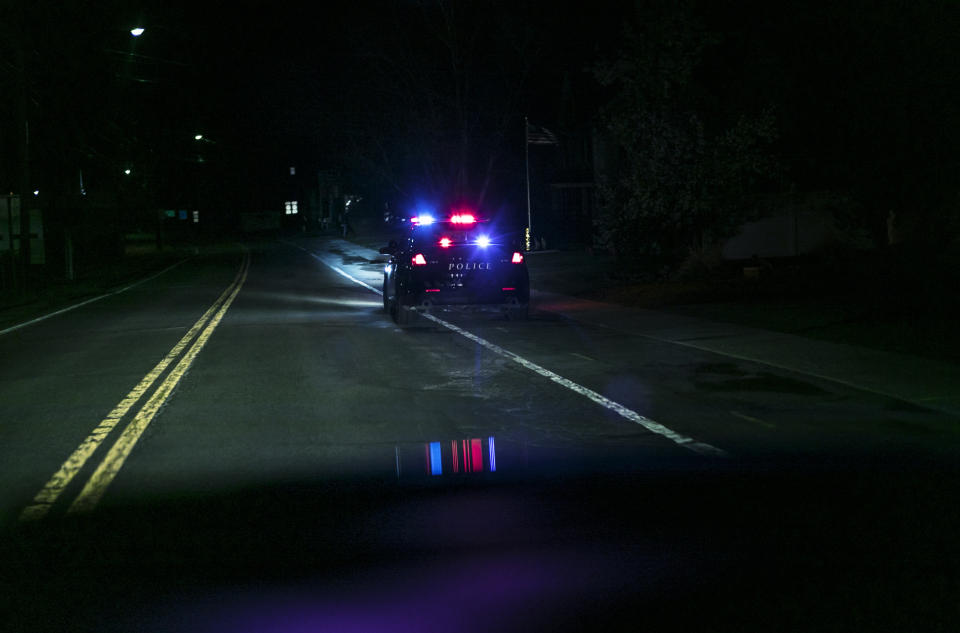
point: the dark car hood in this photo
(550, 539)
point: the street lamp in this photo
(137, 32)
(126, 171)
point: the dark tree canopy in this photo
(707, 103)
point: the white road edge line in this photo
(633, 416)
(355, 280)
(83, 303)
(651, 425)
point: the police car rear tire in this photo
(519, 312)
(404, 313)
(399, 309)
(386, 299)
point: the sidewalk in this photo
(923, 382)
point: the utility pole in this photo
(528, 234)
(22, 132)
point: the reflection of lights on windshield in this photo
(434, 461)
(471, 452)
(466, 456)
(483, 241)
(476, 456)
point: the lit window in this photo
(290, 207)
(293, 171)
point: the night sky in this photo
(423, 98)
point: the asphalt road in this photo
(246, 442)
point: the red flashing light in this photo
(517, 258)
(445, 242)
(432, 289)
(419, 260)
(506, 289)
(463, 218)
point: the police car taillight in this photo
(445, 242)
(517, 258)
(419, 260)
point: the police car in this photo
(456, 260)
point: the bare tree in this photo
(444, 87)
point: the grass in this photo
(50, 294)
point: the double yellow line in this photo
(193, 341)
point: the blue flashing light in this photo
(424, 219)
(493, 454)
(483, 241)
(436, 461)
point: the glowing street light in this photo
(137, 32)
(126, 171)
(198, 137)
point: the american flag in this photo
(537, 135)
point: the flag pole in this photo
(526, 161)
